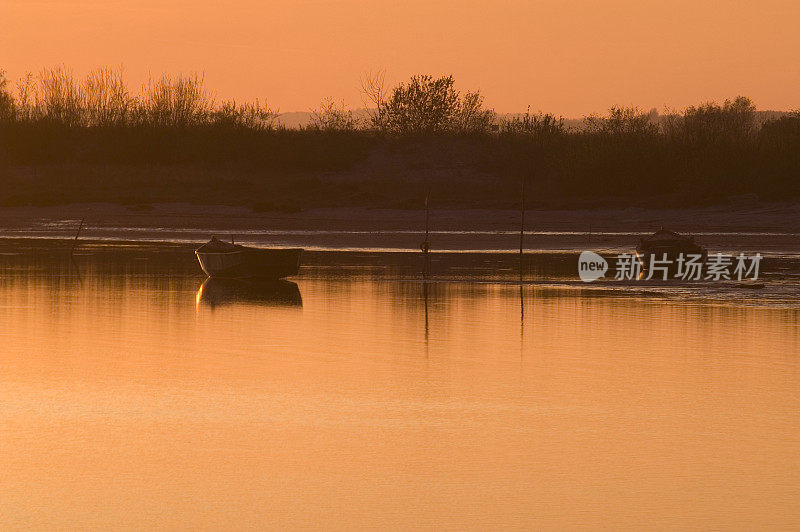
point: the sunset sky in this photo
(567, 57)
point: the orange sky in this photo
(568, 57)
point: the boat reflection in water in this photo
(216, 292)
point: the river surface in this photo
(134, 394)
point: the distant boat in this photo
(671, 244)
(233, 261)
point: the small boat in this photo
(233, 261)
(671, 244)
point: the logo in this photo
(591, 266)
(685, 267)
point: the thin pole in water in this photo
(75, 242)
(426, 246)
(521, 228)
(427, 214)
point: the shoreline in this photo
(774, 216)
(767, 228)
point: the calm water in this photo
(132, 395)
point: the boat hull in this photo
(672, 253)
(250, 263)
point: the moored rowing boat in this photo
(227, 260)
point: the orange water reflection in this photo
(126, 402)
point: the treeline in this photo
(103, 99)
(64, 139)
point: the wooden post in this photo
(75, 242)
(426, 246)
(427, 214)
(521, 228)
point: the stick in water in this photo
(426, 244)
(75, 242)
(521, 228)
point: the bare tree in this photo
(373, 88)
(333, 117)
(622, 121)
(177, 102)
(734, 121)
(6, 100)
(60, 98)
(424, 105)
(536, 125)
(427, 105)
(26, 98)
(106, 98)
(254, 116)
(472, 117)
